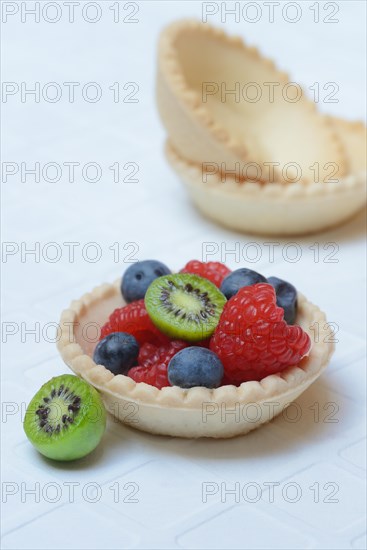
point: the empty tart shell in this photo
(222, 102)
(278, 208)
(197, 412)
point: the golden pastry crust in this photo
(271, 208)
(197, 412)
(353, 135)
(272, 129)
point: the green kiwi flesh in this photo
(184, 306)
(66, 418)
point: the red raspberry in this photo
(202, 344)
(214, 271)
(155, 376)
(134, 319)
(153, 363)
(253, 340)
(146, 353)
(228, 382)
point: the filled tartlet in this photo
(174, 349)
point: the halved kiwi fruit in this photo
(65, 419)
(184, 306)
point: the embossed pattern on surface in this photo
(298, 482)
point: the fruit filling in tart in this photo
(204, 326)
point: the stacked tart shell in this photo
(261, 162)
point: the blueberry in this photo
(238, 279)
(118, 352)
(195, 366)
(138, 277)
(286, 298)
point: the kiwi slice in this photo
(65, 419)
(184, 306)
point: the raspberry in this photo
(134, 319)
(214, 271)
(146, 354)
(253, 340)
(202, 344)
(155, 376)
(228, 382)
(153, 363)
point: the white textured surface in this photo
(167, 475)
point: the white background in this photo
(155, 214)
